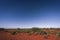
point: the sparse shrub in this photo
(34, 29)
(58, 34)
(13, 33)
(49, 32)
(43, 32)
(30, 33)
(18, 30)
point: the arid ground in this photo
(30, 34)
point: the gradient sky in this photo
(29, 13)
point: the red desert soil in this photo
(26, 36)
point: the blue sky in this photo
(29, 13)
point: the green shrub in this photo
(34, 29)
(43, 32)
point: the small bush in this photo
(13, 33)
(58, 34)
(34, 29)
(28, 31)
(18, 30)
(43, 32)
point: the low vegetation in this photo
(13, 33)
(2, 29)
(43, 33)
(58, 34)
(30, 34)
(30, 31)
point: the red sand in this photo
(26, 36)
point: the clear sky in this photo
(29, 13)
